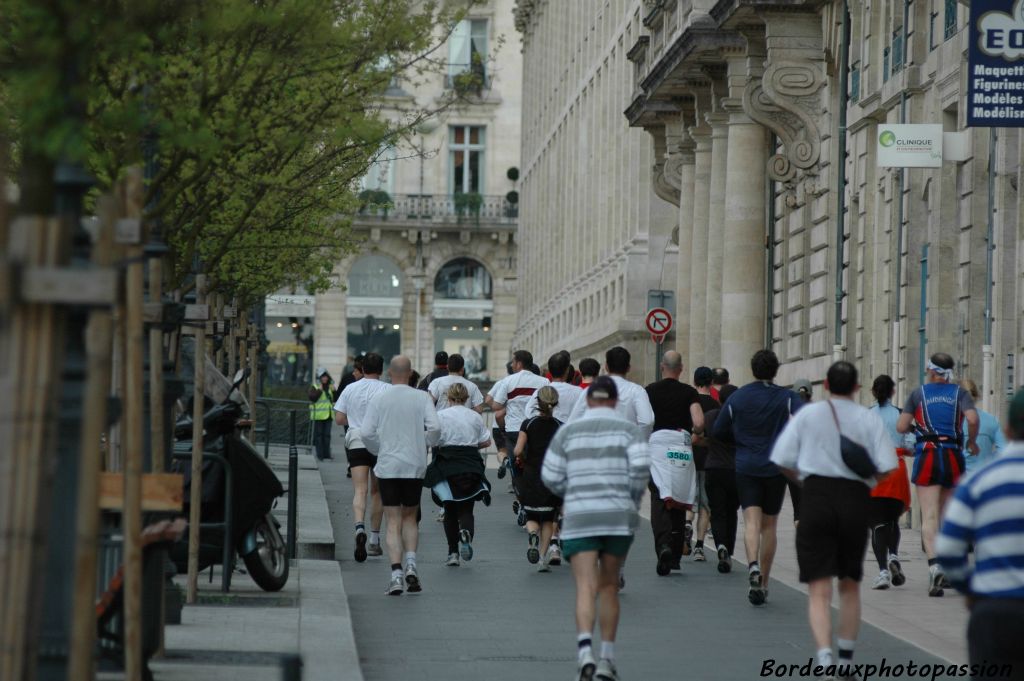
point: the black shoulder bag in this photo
(855, 456)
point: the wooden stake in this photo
(232, 342)
(254, 377)
(157, 427)
(195, 499)
(133, 438)
(99, 342)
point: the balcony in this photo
(451, 211)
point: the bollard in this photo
(291, 668)
(293, 489)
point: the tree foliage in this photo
(261, 115)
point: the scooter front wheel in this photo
(268, 562)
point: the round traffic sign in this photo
(658, 321)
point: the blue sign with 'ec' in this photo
(995, 81)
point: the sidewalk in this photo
(243, 635)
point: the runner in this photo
(891, 497)
(540, 504)
(599, 465)
(440, 370)
(589, 369)
(350, 410)
(510, 395)
(719, 384)
(400, 425)
(831, 541)
(752, 418)
(804, 389)
(568, 394)
(935, 412)
(985, 512)
(702, 381)
(456, 476)
(723, 499)
(991, 440)
(673, 483)
(438, 388)
(633, 403)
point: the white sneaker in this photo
(882, 581)
(545, 562)
(555, 551)
(606, 671)
(586, 667)
(412, 579)
(396, 587)
(453, 560)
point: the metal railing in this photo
(446, 208)
(274, 425)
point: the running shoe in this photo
(545, 562)
(724, 562)
(554, 554)
(755, 594)
(396, 587)
(946, 584)
(698, 554)
(533, 552)
(453, 560)
(412, 579)
(521, 517)
(374, 549)
(664, 561)
(606, 671)
(502, 469)
(622, 579)
(896, 571)
(882, 581)
(360, 552)
(935, 578)
(515, 506)
(439, 517)
(688, 539)
(585, 670)
(465, 545)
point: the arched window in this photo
(463, 279)
(375, 276)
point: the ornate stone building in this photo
(763, 122)
(436, 267)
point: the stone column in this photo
(683, 274)
(719, 122)
(697, 321)
(743, 301)
(330, 344)
(504, 323)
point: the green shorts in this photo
(615, 545)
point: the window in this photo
(466, 159)
(950, 19)
(463, 279)
(380, 175)
(375, 276)
(885, 64)
(855, 81)
(467, 50)
(897, 50)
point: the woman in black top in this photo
(540, 504)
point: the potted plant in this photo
(468, 202)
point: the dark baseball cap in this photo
(441, 359)
(702, 376)
(603, 388)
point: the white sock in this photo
(608, 650)
(375, 537)
(583, 644)
(396, 573)
(825, 657)
(410, 558)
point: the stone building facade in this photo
(435, 267)
(790, 235)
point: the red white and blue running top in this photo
(938, 410)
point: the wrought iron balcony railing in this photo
(455, 209)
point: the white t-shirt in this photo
(633, 405)
(353, 403)
(461, 427)
(568, 396)
(514, 392)
(810, 441)
(398, 427)
(438, 389)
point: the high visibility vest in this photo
(322, 408)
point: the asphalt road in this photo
(497, 618)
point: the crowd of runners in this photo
(581, 446)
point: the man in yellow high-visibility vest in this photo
(322, 394)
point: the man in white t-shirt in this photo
(568, 394)
(832, 535)
(634, 405)
(400, 425)
(438, 388)
(350, 410)
(511, 394)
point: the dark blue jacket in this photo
(752, 418)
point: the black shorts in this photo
(503, 440)
(883, 510)
(764, 493)
(360, 457)
(833, 532)
(400, 491)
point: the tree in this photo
(263, 115)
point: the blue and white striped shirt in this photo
(987, 510)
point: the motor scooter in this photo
(235, 476)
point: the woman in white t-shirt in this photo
(456, 476)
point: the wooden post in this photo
(195, 498)
(133, 431)
(254, 363)
(217, 313)
(157, 427)
(99, 343)
(232, 341)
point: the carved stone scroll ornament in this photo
(666, 172)
(787, 100)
